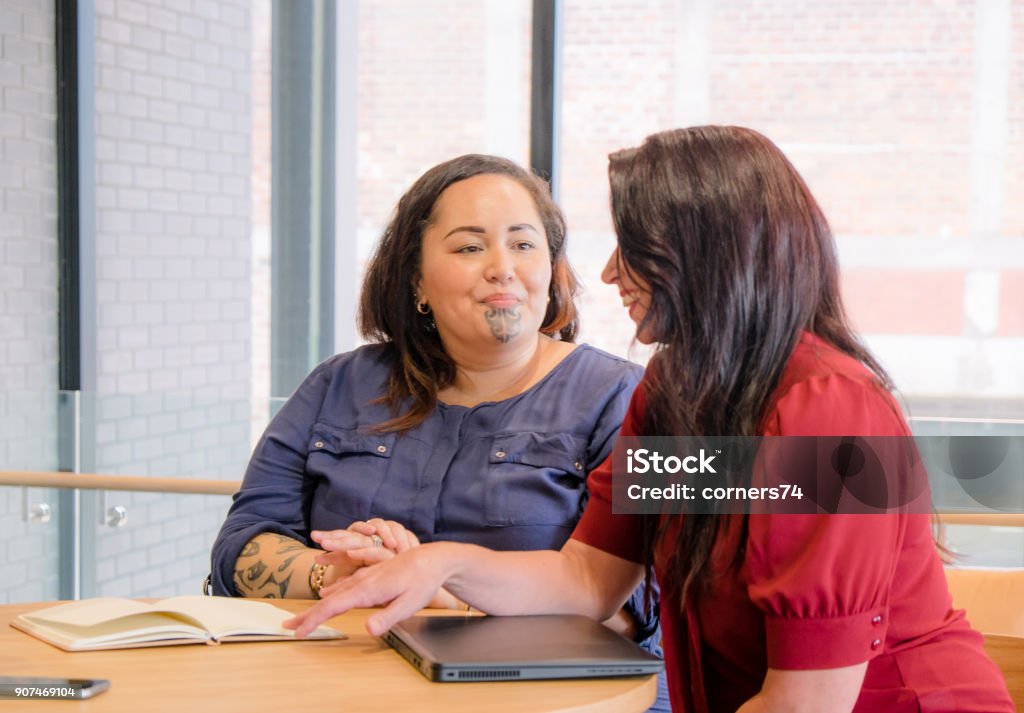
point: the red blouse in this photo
(815, 591)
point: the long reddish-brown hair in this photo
(739, 259)
(420, 367)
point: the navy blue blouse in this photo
(508, 475)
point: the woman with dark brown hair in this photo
(472, 416)
(726, 263)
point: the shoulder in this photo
(587, 387)
(360, 373)
(813, 357)
(826, 392)
(347, 386)
(599, 364)
(364, 360)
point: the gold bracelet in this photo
(316, 578)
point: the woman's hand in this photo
(395, 538)
(393, 535)
(579, 579)
(406, 583)
(345, 551)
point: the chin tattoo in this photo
(504, 323)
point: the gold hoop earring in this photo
(423, 308)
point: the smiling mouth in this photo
(629, 299)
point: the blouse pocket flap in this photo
(561, 451)
(331, 439)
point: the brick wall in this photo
(28, 298)
(173, 148)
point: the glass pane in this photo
(905, 121)
(157, 544)
(29, 517)
(973, 545)
(436, 79)
(181, 128)
(28, 297)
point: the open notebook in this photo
(112, 623)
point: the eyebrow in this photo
(480, 231)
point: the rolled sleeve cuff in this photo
(832, 642)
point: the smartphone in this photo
(29, 687)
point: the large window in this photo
(235, 152)
(906, 119)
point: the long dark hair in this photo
(420, 366)
(739, 259)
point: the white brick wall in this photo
(173, 253)
(28, 293)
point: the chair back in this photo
(1008, 654)
(994, 600)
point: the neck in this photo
(494, 374)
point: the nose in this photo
(499, 268)
(610, 273)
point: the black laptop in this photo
(517, 648)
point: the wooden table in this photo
(360, 673)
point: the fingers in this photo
(403, 607)
(410, 541)
(329, 589)
(342, 540)
(387, 529)
(363, 528)
(384, 529)
(405, 539)
(370, 555)
(399, 582)
(338, 539)
(345, 563)
(307, 622)
(394, 535)
(352, 592)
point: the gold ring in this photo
(377, 541)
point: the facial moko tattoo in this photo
(504, 322)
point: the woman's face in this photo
(635, 293)
(486, 266)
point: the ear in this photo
(417, 290)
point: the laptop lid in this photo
(510, 648)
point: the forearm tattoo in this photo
(265, 566)
(504, 322)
